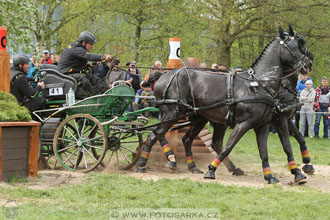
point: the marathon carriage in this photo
(80, 135)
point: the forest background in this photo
(232, 32)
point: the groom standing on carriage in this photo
(74, 60)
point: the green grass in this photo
(102, 193)
(247, 151)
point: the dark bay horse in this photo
(183, 90)
(288, 102)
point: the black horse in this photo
(288, 102)
(183, 91)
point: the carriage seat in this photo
(57, 85)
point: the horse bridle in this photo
(286, 43)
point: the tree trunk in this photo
(223, 56)
(137, 42)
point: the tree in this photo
(50, 16)
(15, 15)
(234, 21)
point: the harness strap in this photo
(249, 99)
(230, 117)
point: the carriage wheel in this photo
(46, 157)
(46, 161)
(73, 145)
(125, 147)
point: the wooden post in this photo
(4, 62)
(0, 154)
(192, 62)
(33, 150)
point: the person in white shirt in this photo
(307, 97)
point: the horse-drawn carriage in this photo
(80, 135)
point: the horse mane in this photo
(262, 53)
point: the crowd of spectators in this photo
(316, 102)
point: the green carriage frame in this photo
(82, 133)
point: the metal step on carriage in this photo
(93, 131)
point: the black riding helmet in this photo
(20, 59)
(87, 36)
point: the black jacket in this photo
(75, 57)
(20, 87)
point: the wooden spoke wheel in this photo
(80, 143)
(46, 160)
(125, 146)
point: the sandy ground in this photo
(252, 178)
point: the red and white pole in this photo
(174, 57)
(4, 61)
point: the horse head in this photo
(294, 54)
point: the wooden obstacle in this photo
(201, 147)
(18, 149)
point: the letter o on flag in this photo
(3, 33)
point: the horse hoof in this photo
(238, 172)
(273, 180)
(209, 175)
(300, 178)
(308, 169)
(171, 165)
(195, 170)
(141, 170)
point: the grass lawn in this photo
(102, 193)
(246, 150)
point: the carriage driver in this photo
(20, 87)
(74, 59)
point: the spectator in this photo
(133, 76)
(100, 69)
(146, 77)
(53, 57)
(58, 58)
(34, 67)
(214, 66)
(300, 87)
(222, 68)
(158, 65)
(46, 59)
(329, 123)
(115, 73)
(322, 103)
(307, 97)
(137, 101)
(140, 103)
(328, 96)
(203, 65)
(239, 69)
(301, 83)
(74, 60)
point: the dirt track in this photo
(253, 177)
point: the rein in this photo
(268, 80)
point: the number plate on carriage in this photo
(55, 91)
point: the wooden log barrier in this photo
(19, 143)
